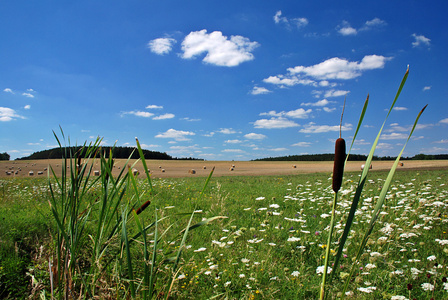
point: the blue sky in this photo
(222, 80)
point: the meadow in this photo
(269, 244)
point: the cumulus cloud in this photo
(275, 123)
(302, 144)
(178, 135)
(138, 113)
(323, 102)
(259, 90)
(28, 95)
(27, 106)
(227, 131)
(221, 51)
(288, 80)
(154, 107)
(444, 121)
(161, 46)
(8, 90)
(233, 142)
(420, 40)
(441, 142)
(233, 151)
(374, 23)
(426, 88)
(298, 22)
(254, 136)
(398, 108)
(346, 29)
(8, 114)
(164, 117)
(394, 136)
(313, 128)
(338, 68)
(296, 114)
(335, 93)
(327, 109)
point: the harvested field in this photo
(181, 168)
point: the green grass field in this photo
(270, 245)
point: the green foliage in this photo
(4, 156)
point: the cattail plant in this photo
(338, 173)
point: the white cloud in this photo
(275, 123)
(190, 120)
(335, 93)
(178, 135)
(384, 146)
(28, 95)
(374, 23)
(326, 109)
(233, 150)
(278, 18)
(296, 114)
(313, 128)
(338, 68)
(227, 131)
(346, 29)
(154, 107)
(164, 117)
(233, 142)
(27, 106)
(394, 136)
(7, 114)
(254, 136)
(444, 121)
(137, 113)
(259, 90)
(302, 144)
(298, 22)
(8, 90)
(426, 88)
(441, 142)
(420, 40)
(161, 46)
(220, 50)
(288, 81)
(278, 149)
(400, 108)
(323, 102)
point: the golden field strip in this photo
(183, 168)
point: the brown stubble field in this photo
(176, 168)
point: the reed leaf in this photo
(379, 205)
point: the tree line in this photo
(352, 157)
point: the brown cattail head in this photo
(143, 207)
(339, 161)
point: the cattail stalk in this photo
(143, 207)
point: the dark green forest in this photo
(352, 157)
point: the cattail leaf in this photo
(205, 222)
(361, 118)
(362, 180)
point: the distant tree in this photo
(4, 156)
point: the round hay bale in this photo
(204, 167)
(163, 170)
(231, 169)
(135, 172)
(294, 166)
(31, 173)
(96, 173)
(192, 171)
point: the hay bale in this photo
(192, 171)
(231, 169)
(163, 170)
(401, 164)
(40, 173)
(294, 166)
(204, 167)
(135, 171)
(96, 173)
(31, 173)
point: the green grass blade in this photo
(207, 181)
(142, 157)
(124, 238)
(153, 271)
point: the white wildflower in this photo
(181, 276)
(227, 283)
(293, 239)
(200, 249)
(370, 266)
(274, 205)
(260, 198)
(431, 258)
(427, 286)
(398, 297)
(242, 275)
(320, 270)
(368, 290)
(245, 260)
(295, 273)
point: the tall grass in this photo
(101, 218)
